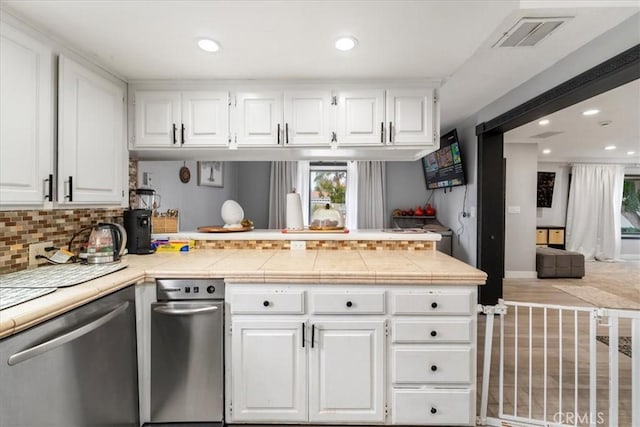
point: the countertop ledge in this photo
(390, 267)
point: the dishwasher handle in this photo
(67, 337)
(163, 309)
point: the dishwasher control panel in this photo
(189, 289)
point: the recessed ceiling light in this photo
(546, 151)
(544, 122)
(610, 147)
(631, 153)
(590, 112)
(208, 45)
(346, 43)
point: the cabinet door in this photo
(269, 371)
(91, 136)
(258, 119)
(346, 372)
(205, 116)
(26, 133)
(157, 119)
(308, 117)
(410, 116)
(361, 118)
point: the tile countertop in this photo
(270, 234)
(253, 266)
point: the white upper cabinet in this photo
(157, 118)
(91, 137)
(410, 117)
(309, 117)
(258, 119)
(205, 118)
(26, 109)
(361, 117)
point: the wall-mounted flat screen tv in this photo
(443, 168)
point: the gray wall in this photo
(406, 188)
(613, 42)
(197, 205)
(253, 191)
(556, 215)
(520, 216)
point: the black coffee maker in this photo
(137, 221)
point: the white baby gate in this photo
(554, 376)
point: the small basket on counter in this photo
(165, 223)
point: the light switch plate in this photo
(298, 245)
(513, 209)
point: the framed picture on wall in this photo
(210, 174)
(546, 182)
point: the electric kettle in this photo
(107, 243)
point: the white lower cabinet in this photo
(346, 371)
(332, 355)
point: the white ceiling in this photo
(583, 138)
(402, 39)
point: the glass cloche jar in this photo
(326, 218)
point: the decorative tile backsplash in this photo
(19, 229)
(318, 244)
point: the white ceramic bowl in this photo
(232, 214)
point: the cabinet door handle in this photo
(286, 133)
(265, 303)
(434, 305)
(434, 333)
(303, 326)
(313, 334)
(434, 411)
(390, 132)
(434, 368)
(174, 133)
(278, 133)
(382, 132)
(49, 195)
(69, 196)
(349, 304)
(182, 134)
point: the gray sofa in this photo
(552, 262)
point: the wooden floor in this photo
(613, 285)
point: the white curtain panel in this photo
(283, 179)
(371, 194)
(593, 213)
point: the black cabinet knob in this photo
(210, 289)
(434, 368)
(266, 303)
(434, 410)
(434, 333)
(349, 303)
(434, 305)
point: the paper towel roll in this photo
(294, 212)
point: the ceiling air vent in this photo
(529, 31)
(544, 135)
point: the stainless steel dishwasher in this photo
(76, 370)
(187, 369)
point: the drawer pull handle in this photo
(434, 368)
(349, 304)
(434, 305)
(434, 410)
(434, 333)
(266, 303)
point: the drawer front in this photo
(541, 237)
(432, 366)
(347, 302)
(556, 237)
(267, 302)
(432, 407)
(440, 303)
(431, 331)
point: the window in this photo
(630, 220)
(328, 185)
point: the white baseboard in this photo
(520, 274)
(630, 257)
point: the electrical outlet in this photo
(298, 244)
(38, 249)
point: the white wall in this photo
(520, 215)
(609, 44)
(556, 215)
(197, 205)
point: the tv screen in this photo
(443, 167)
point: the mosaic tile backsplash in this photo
(318, 244)
(19, 229)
